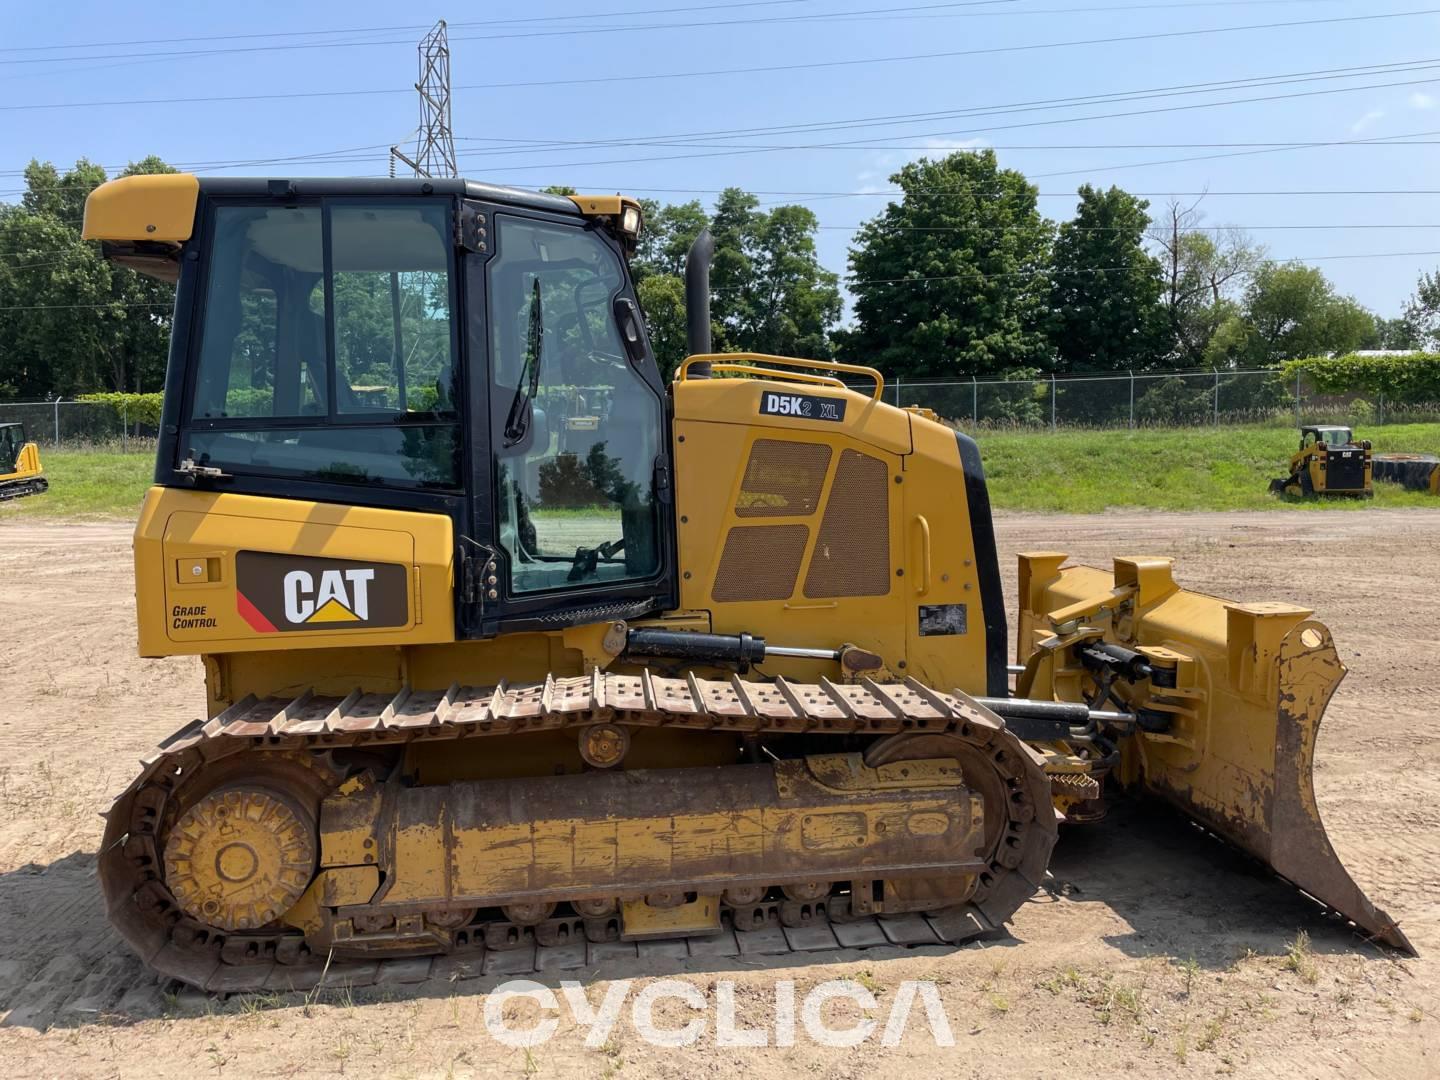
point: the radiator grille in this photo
(782, 479)
(760, 562)
(852, 553)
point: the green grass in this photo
(1227, 468)
(87, 483)
(1078, 472)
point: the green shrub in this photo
(141, 409)
(1174, 403)
(1411, 378)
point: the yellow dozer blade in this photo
(1227, 700)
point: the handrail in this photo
(924, 586)
(728, 361)
(797, 376)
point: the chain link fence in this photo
(1126, 401)
(80, 425)
(1148, 400)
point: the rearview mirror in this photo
(632, 329)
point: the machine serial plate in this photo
(804, 406)
(942, 619)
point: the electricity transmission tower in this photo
(434, 141)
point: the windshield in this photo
(574, 491)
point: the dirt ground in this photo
(1158, 951)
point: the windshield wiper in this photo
(587, 560)
(517, 423)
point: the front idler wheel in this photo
(240, 857)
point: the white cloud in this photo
(1367, 120)
(875, 176)
(1421, 100)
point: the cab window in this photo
(325, 350)
(576, 428)
(11, 439)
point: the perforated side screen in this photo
(760, 562)
(852, 553)
(782, 479)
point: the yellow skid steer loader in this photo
(732, 656)
(1329, 462)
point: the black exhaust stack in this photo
(697, 300)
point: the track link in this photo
(308, 728)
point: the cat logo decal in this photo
(279, 593)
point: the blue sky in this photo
(499, 126)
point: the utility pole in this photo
(434, 153)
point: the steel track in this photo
(311, 726)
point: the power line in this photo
(1326, 227)
(970, 191)
(867, 144)
(884, 12)
(72, 253)
(1377, 142)
(598, 15)
(1051, 272)
(487, 23)
(891, 14)
(406, 29)
(1044, 104)
(1183, 89)
(87, 252)
(317, 157)
(1381, 140)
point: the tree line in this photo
(960, 275)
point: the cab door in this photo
(570, 473)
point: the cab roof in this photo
(159, 208)
(362, 186)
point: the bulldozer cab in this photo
(406, 346)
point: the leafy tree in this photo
(662, 298)
(1293, 311)
(63, 197)
(668, 232)
(951, 280)
(1400, 334)
(1203, 273)
(1106, 287)
(73, 322)
(769, 292)
(50, 284)
(1229, 344)
(1422, 314)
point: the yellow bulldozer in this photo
(20, 470)
(732, 658)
